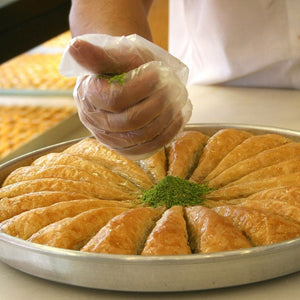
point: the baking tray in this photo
(35, 92)
(59, 132)
(151, 273)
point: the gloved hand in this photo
(139, 110)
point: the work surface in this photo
(270, 107)
(279, 108)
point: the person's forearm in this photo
(113, 17)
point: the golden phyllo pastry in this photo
(199, 194)
(126, 233)
(90, 149)
(169, 236)
(248, 148)
(247, 188)
(13, 206)
(67, 172)
(26, 224)
(155, 165)
(74, 232)
(290, 193)
(262, 159)
(263, 228)
(210, 232)
(217, 147)
(286, 167)
(20, 124)
(65, 185)
(90, 166)
(284, 207)
(38, 69)
(184, 153)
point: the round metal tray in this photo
(151, 273)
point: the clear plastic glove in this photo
(134, 113)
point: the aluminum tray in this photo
(58, 132)
(156, 273)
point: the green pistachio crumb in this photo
(173, 190)
(119, 78)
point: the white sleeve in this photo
(252, 43)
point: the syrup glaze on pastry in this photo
(92, 150)
(126, 233)
(169, 236)
(262, 228)
(217, 147)
(155, 166)
(210, 232)
(90, 166)
(233, 190)
(184, 153)
(26, 224)
(13, 206)
(74, 232)
(249, 147)
(65, 185)
(262, 159)
(247, 188)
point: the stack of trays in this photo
(37, 70)
(36, 105)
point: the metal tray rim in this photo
(242, 265)
(254, 251)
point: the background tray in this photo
(68, 128)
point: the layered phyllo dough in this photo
(233, 190)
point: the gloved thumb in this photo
(106, 59)
(94, 54)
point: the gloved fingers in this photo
(108, 60)
(104, 94)
(144, 108)
(105, 54)
(138, 151)
(166, 99)
(138, 116)
(144, 150)
(141, 135)
(128, 120)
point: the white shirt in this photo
(238, 42)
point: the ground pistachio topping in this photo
(119, 78)
(173, 190)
